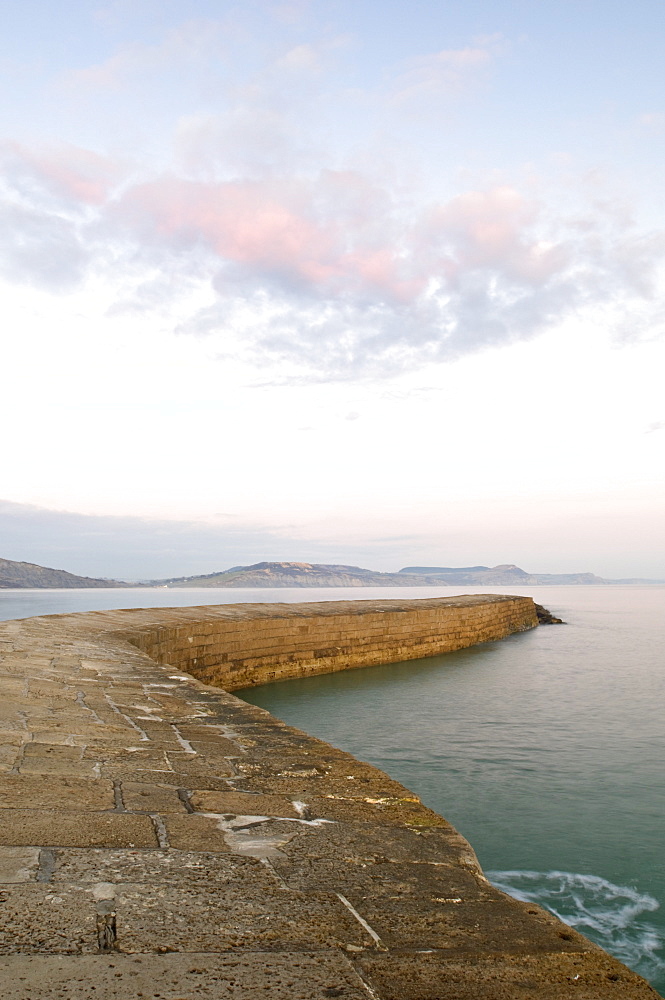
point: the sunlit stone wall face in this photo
(237, 646)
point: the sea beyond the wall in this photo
(546, 749)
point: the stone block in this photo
(193, 765)
(208, 870)
(378, 811)
(359, 844)
(242, 803)
(153, 917)
(48, 791)
(278, 975)
(165, 778)
(53, 828)
(18, 864)
(152, 798)
(501, 977)
(36, 919)
(489, 923)
(195, 833)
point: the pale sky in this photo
(359, 282)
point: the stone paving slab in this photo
(243, 803)
(54, 828)
(38, 919)
(246, 976)
(500, 977)
(138, 796)
(475, 926)
(379, 811)
(154, 917)
(44, 791)
(361, 844)
(166, 777)
(160, 838)
(419, 884)
(196, 833)
(159, 867)
(18, 864)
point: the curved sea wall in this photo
(242, 645)
(160, 838)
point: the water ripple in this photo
(612, 916)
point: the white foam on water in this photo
(612, 916)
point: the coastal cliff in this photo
(25, 575)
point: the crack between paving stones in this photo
(144, 735)
(21, 754)
(370, 991)
(107, 931)
(47, 863)
(183, 795)
(160, 830)
(117, 797)
(185, 744)
(80, 700)
(361, 920)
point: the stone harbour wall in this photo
(242, 645)
(162, 839)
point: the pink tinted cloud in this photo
(337, 234)
(77, 174)
(242, 221)
(340, 235)
(286, 230)
(492, 229)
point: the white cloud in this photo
(330, 272)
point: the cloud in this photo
(329, 271)
(143, 548)
(247, 142)
(438, 76)
(131, 547)
(292, 11)
(332, 275)
(185, 46)
(75, 176)
(301, 59)
(40, 248)
(304, 258)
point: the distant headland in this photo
(25, 575)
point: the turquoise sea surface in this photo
(546, 749)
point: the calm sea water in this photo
(546, 750)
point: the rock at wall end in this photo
(546, 617)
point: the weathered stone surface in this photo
(501, 977)
(53, 828)
(37, 919)
(44, 758)
(159, 867)
(152, 917)
(379, 810)
(162, 839)
(18, 864)
(242, 976)
(47, 791)
(152, 798)
(195, 833)
(243, 803)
